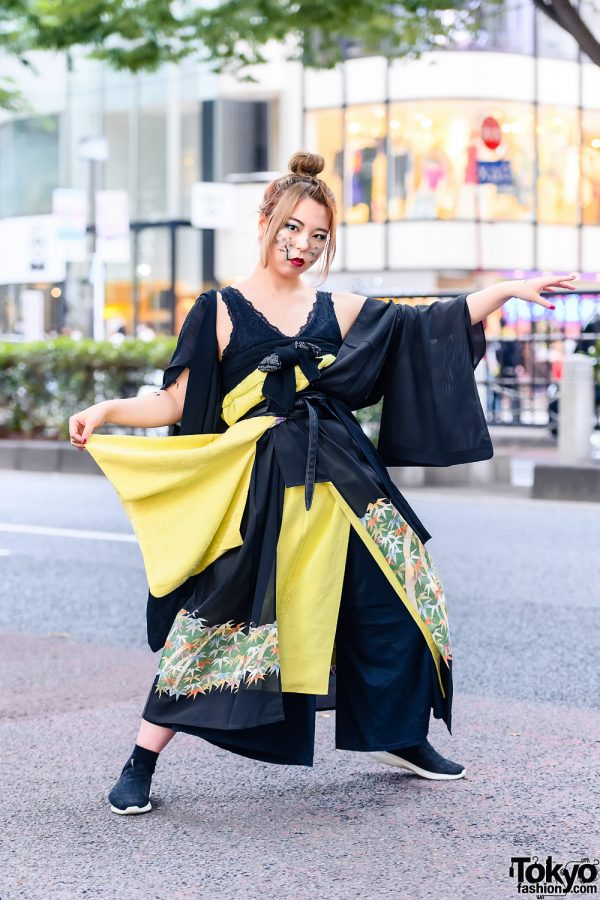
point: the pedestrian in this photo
(509, 355)
(276, 546)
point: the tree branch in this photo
(566, 16)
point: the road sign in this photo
(213, 205)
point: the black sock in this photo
(148, 757)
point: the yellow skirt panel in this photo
(311, 559)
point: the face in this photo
(301, 239)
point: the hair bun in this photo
(303, 163)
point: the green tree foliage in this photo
(140, 35)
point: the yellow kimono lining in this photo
(184, 495)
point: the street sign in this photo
(213, 205)
(69, 205)
(497, 172)
(491, 133)
(112, 226)
(31, 251)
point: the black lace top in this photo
(251, 327)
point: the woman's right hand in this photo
(83, 423)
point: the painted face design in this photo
(285, 243)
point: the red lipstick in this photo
(298, 262)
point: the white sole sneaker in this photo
(390, 759)
(132, 810)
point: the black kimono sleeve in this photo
(431, 414)
(197, 351)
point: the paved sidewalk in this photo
(228, 828)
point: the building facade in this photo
(470, 164)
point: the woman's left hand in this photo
(488, 300)
(531, 288)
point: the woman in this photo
(274, 540)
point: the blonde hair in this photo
(282, 195)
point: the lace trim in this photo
(233, 316)
(260, 315)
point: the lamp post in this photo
(95, 150)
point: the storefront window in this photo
(558, 165)
(461, 160)
(365, 164)
(155, 302)
(325, 135)
(590, 167)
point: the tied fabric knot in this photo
(279, 387)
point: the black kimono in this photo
(276, 546)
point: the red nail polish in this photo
(551, 307)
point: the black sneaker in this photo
(423, 760)
(131, 794)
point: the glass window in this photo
(29, 165)
(507, 27)
(440, 151)
(558, 165)
(189, 272)
(190, 155)
(552, 40)
(589, 10)
(116, 167)
(325, 135)
(590, 167)
(365, 164)
(155, 303)
(247, 129)
(154, 300)
(152, 155)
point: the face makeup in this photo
(287, 238)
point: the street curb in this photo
(551, 480)
(46, 456)
(496, 470)
(60, 456)
(556, 482)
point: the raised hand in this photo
(531, 288)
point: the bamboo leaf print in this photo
(411, 564)
(198, 658)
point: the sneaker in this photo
(422, 760)
(131, 794)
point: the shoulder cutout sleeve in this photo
(431, 412)
(186, 342)
(197, 351)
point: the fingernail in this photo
(551, 307)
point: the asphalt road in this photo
(522, 580)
